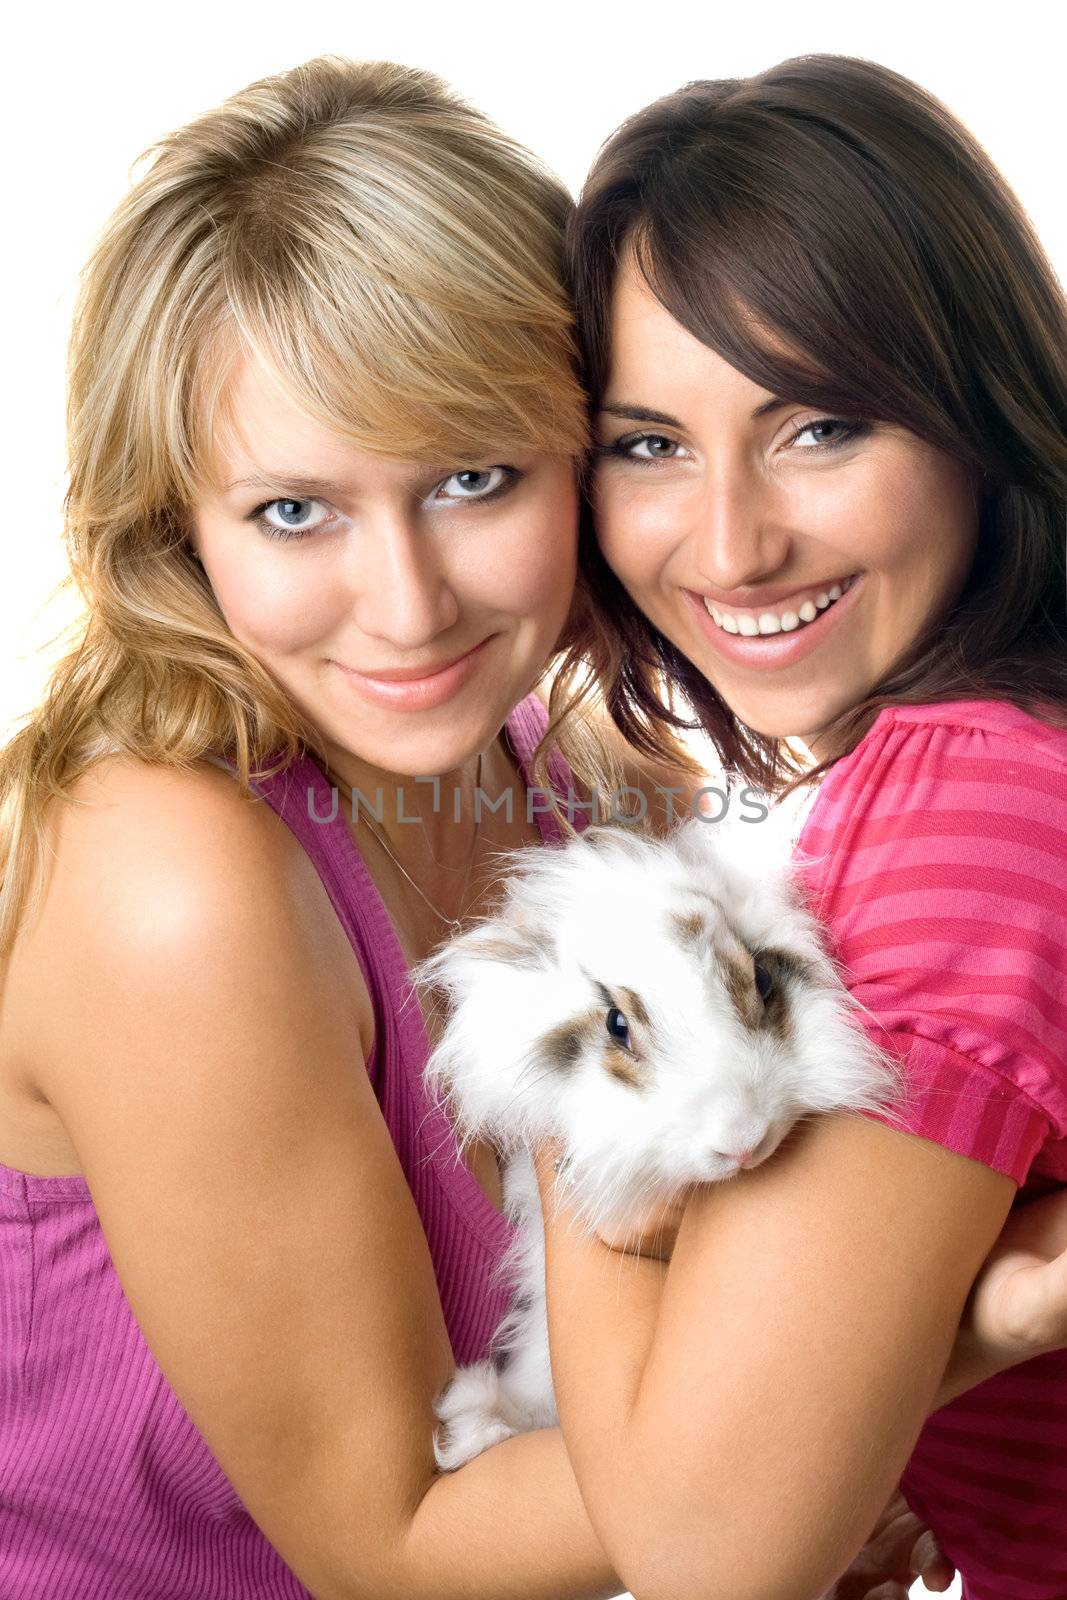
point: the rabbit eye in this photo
(764, 981)
(618, 1027)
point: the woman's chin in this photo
(789, 714)
(778, 722)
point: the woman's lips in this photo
(772, 651)
(400, 690)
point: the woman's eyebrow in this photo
(612, 408)
(290, 480)
(773, 404)
(303, 484)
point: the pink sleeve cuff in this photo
(962, 1106)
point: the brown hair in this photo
(839, 211)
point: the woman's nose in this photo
(404, 596)
(735, 539)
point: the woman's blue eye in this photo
(292, 518)
(475, 483)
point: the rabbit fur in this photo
(662, 1012)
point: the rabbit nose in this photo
(736, 1158)
(746, 1148)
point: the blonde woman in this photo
(323, 427)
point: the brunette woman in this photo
(826, 357)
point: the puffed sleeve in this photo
(935, 856)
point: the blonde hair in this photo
(394, 259)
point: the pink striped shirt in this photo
(107, 1490)
(936, 855)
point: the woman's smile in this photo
(767, 637)
(795, 557)
(778, 612)
(417, 689)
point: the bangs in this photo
(730, 316)
(785, 251)
(392, 318)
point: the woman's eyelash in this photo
(623, 447)
(509, 480)
(272, 529)
(275, 531)
(851, 429)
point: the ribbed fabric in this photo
(936, 855)
(107, 1490)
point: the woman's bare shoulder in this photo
(127, 826)
(119, 792)
(149, 865)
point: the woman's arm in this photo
(201, 1025)
(738, 1420)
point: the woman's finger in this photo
(929, 1563)
(900, 1548)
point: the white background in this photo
(87, 89)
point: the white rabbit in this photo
(664, 1014)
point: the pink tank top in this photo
(107, 1490)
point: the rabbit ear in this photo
(514, 939)
(505, 941)
(497, 982)
(599, 834)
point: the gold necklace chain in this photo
(452, 923)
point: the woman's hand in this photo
(900, 1549)
(1019, 1302)
(651, 1235)
(1017, 1308)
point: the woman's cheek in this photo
(533, 570)
(542, 574)
(279, 605)
(634, 529)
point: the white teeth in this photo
(769, 622)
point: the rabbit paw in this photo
(469, 1410)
